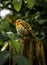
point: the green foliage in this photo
(41, 21)
(20, 60)
(3, 57)
(17, 4)
(31, 3)
(32, 11)
(45, 0)
(4, 25)
(15, 43)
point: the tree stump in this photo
(34, 51)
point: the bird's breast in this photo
(22, 30)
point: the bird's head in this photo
(18, 22)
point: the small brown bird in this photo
(24, 29)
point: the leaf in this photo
(42, 36)
(3, 57)
(15, 43)
(16, 46)
(0, 42)
(45, 0)
(4, 26)
(31, 3)
(38, 1)
(17, 4)
(41, 21)
(20, 60)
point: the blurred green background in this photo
(32, 11)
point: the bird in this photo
(24, 29)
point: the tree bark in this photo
(34, 52)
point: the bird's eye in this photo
(19, 21)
